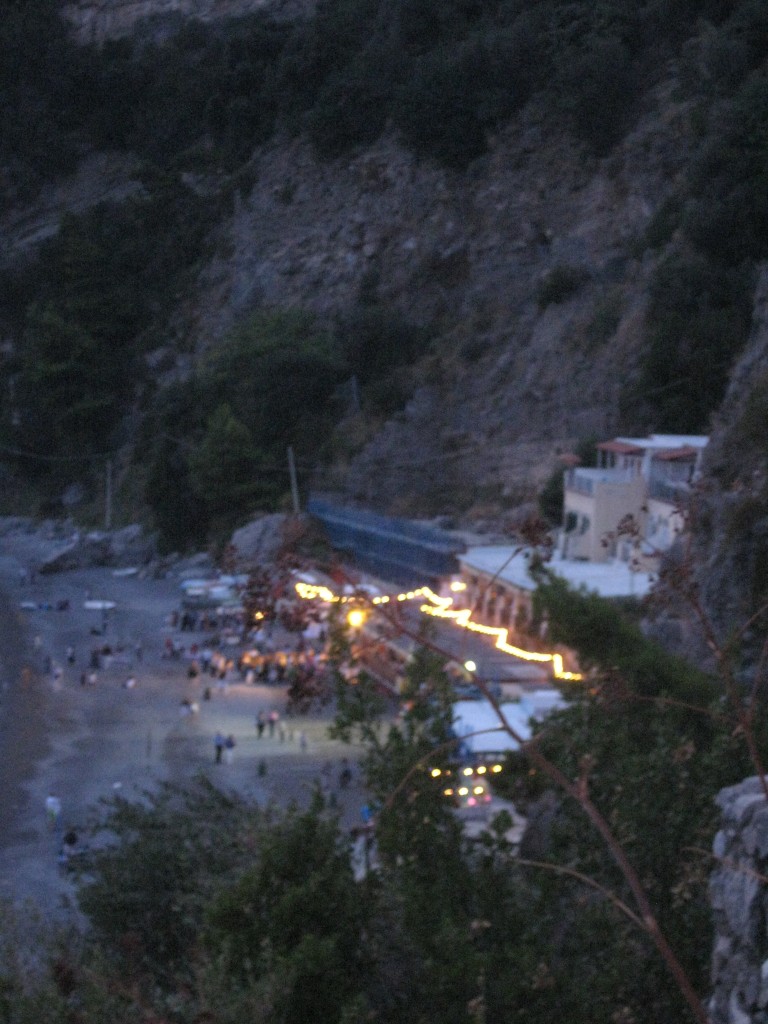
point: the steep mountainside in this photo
(430, 248)
(508, 382)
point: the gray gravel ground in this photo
(82, 743)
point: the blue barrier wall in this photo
(394, 549)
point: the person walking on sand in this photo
(52, 811)
(274, 718)
(229, 749)
(218, 745)
(261, 721)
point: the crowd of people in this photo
(285, 648)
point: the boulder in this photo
(260, 541)
(121, 548)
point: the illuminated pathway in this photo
(441, 608)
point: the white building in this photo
(646, 480)
(499, 587)
(482, 734)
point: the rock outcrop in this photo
(124, 548)
(466, 253)
(259, 542)
(738, 896)
(730, 513)
(95, 21)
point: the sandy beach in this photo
(81, 743)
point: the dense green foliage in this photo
(699, 316)
(41, 129)
(606, 639)
(698, 320)
(87, 309)
(443, 75)
(216, 445)
(224, 433)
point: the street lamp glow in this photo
(356, 618)
(470, 666)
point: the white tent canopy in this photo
(477, 724)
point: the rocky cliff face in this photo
(508, 383)
(739, 964)
(730, 514)
(511, 380)
(95, 21)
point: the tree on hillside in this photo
(278, 371)
(67, 391)
(224, 472)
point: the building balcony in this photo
(586, 481)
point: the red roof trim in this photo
(620, 448)
(686, 452)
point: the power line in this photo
(55, 458)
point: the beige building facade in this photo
(632, 506)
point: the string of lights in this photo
(441, 607)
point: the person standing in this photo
(52, 811)
(274, 718)
(229, 749)
(218, 745)
(261, 721)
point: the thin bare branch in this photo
(559, 869)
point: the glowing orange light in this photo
(356, 618)
(441, 608)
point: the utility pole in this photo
(294, 484)
(108, 497)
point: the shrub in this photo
(664, 223)
(435, 113)
(606, 317)
(698, 319)
(560, 284)
(728, 217)
(351, 108)
(596, 84)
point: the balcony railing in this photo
(585, 481)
